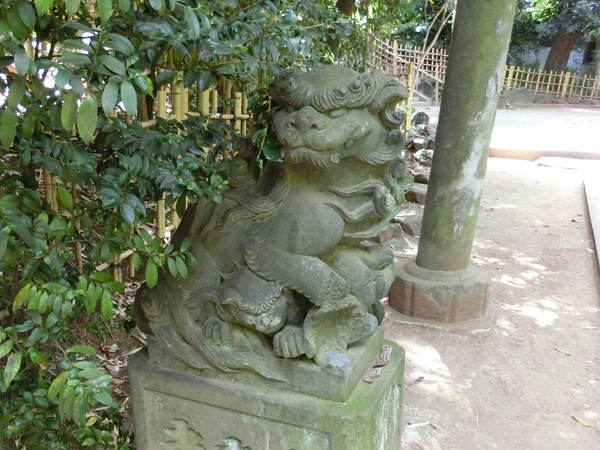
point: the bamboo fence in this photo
(172, 103)
(399, 60)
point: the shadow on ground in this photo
(521, 384)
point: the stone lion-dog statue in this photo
(281, 271)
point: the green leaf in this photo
(58, 384)
(83, 349)
(103, 397)
(185, 244)
(158, 5)
(205, 23)
(105, 9)
(43, 5)
(127, 212)
(181, 267)
(72, 6)
(39, 334)
(21, 296)
(151, 273)
(66, 401)
(91, 374)
(106, 307)
(165, 77)
(16, 25)
(5, 348)
(113, 64)
(172, 266)
(88, 441)
(204, 81)
(192, 22)
(3, 243)
(65, 198)
(27, 13)
(80, 407)
(125, 5)
(129, 98)
(76, 59)
(272, 154)
(21, 62)
(29, 124)
(12, 367)
(87, 118)
(8, 127)
(16, 92)
(102, 277)
(68, 114)
(190, 78)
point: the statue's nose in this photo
(307, 119)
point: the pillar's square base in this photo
(176, 410)
(442, 297)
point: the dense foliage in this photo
(76, 77)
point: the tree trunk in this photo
(561, 49)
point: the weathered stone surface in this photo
(448, 297)
(336, 386)
(424, 156)
(417, 193)
(388, 233)
(410, 221)
(520, 95)
(422, 177)
(182, 411)
(404, 245)
(280, 272)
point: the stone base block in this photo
(175, 410)
(446, 297)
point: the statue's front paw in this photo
(289, 342)
(216, 329)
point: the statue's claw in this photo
(289, 342)
(216, 329)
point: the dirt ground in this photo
(531, 381)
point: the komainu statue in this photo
(281, 270)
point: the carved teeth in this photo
(349, 143)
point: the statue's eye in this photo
(337, 113)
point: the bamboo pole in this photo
(227, 107)
(509, 77)
(160, 204)
(237, 112)
(215, 101)
(245, 113)
(178, 109)
(395, 61)
(436, 96)
(409, 76)
(537, 84)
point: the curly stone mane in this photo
(322, 89)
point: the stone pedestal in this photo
(442, 296)
(178, 410)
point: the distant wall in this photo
(541, 54)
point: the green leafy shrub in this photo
(75, 80)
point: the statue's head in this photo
(333, 112)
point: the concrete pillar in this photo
(442, 285)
